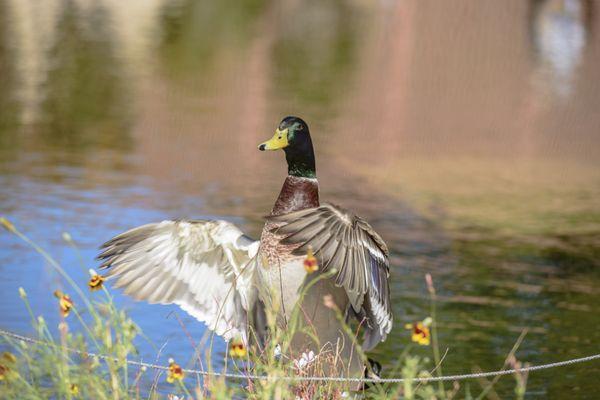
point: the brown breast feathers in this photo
(296, 194)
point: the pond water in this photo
(466, 133)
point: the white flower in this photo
(304, 360)
(277, 352)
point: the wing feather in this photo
(346, 242)
(205, 267)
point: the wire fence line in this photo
(231, 375)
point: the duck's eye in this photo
(299, 128)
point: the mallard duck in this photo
(226, 279)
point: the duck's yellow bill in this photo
(278, 141)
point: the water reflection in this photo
(315, 53)
(559, 32)
(467, 134)
(8, 103)
(83, 104)
(32, 33)
(193, 32)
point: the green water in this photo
(468, 135)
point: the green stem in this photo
(56, 266)
(512, 352)
(185, 389)
(87, 329)
(77, 252)
(435, 345)
(29, 310)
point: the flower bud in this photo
(7, 225)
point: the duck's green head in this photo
(292, 135)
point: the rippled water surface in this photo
(467, 133)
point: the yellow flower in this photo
(96, 281)
(238, 350)
(65, 303)
(420, 332)
(9, 357)
(74, 389)
(175, 372)
(5, 359)
(310, 262)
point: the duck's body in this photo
(284, 274)
(282, 271)
(224, 278)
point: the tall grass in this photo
(58, 365)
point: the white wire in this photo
(230, 375)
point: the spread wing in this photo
(205, 267)
(343, 241)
